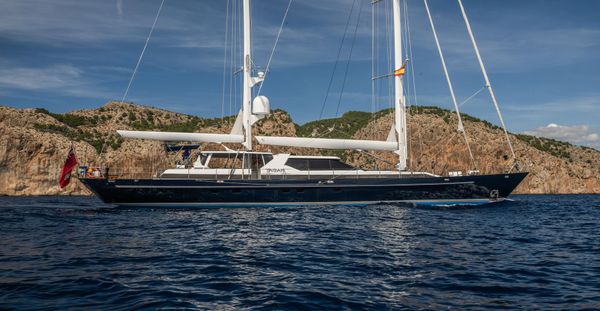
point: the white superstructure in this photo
(223, 165)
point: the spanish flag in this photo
(400, 71)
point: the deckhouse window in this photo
(339, 165)
(233, 160)
(267, 158)
(318, 164)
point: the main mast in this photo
(247, 69)
(399, 103)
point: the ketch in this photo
(249, 178)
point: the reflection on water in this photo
(536, 252)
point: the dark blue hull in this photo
(419, 190)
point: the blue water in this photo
(539, 252)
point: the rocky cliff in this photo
(35, 142)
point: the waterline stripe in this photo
(299, 204)
(275, 186)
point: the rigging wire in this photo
(240, 67)
(374, 65)
(225, 62)
(373, 61)
(337, 59)
(413, 73)
(232, 53)
(440, 150)
(230, 65)
(137, 65)
(241, 61)
(407, 89)
(337, 110)
(236, 45)
(471, 97)
(346, 68)
(275, 46)
(487, 80)
(390, 40)
(450, 86)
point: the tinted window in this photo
(267, 158)
(317, 164)
(339, 165)
(299, 164)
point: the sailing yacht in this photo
(248, 177)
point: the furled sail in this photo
(177, 136)
(328, 143)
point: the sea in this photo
(76, 253)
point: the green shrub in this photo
(68, 119)
(116, 144)
(42, 110)
(343, 127)
(554, 147)
(187, 127)
(71, 134)
(132, 116)
(57, 129)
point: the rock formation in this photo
(35, 143)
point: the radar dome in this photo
(261, 105)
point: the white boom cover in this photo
(328, 143)
(177, 136)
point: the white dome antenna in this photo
(261, 105)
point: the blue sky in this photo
(542, 56)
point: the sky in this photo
(542, 58)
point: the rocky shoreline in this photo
(35, 143)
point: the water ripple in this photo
(538, 252)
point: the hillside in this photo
(36, 141)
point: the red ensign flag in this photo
(70, 163)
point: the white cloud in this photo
(510, 41)
(198, 25)
(577, 134)
(62, 78)
(120, 8)
(584, 103)
(103, 40)
(89, 23)
(39, 78)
